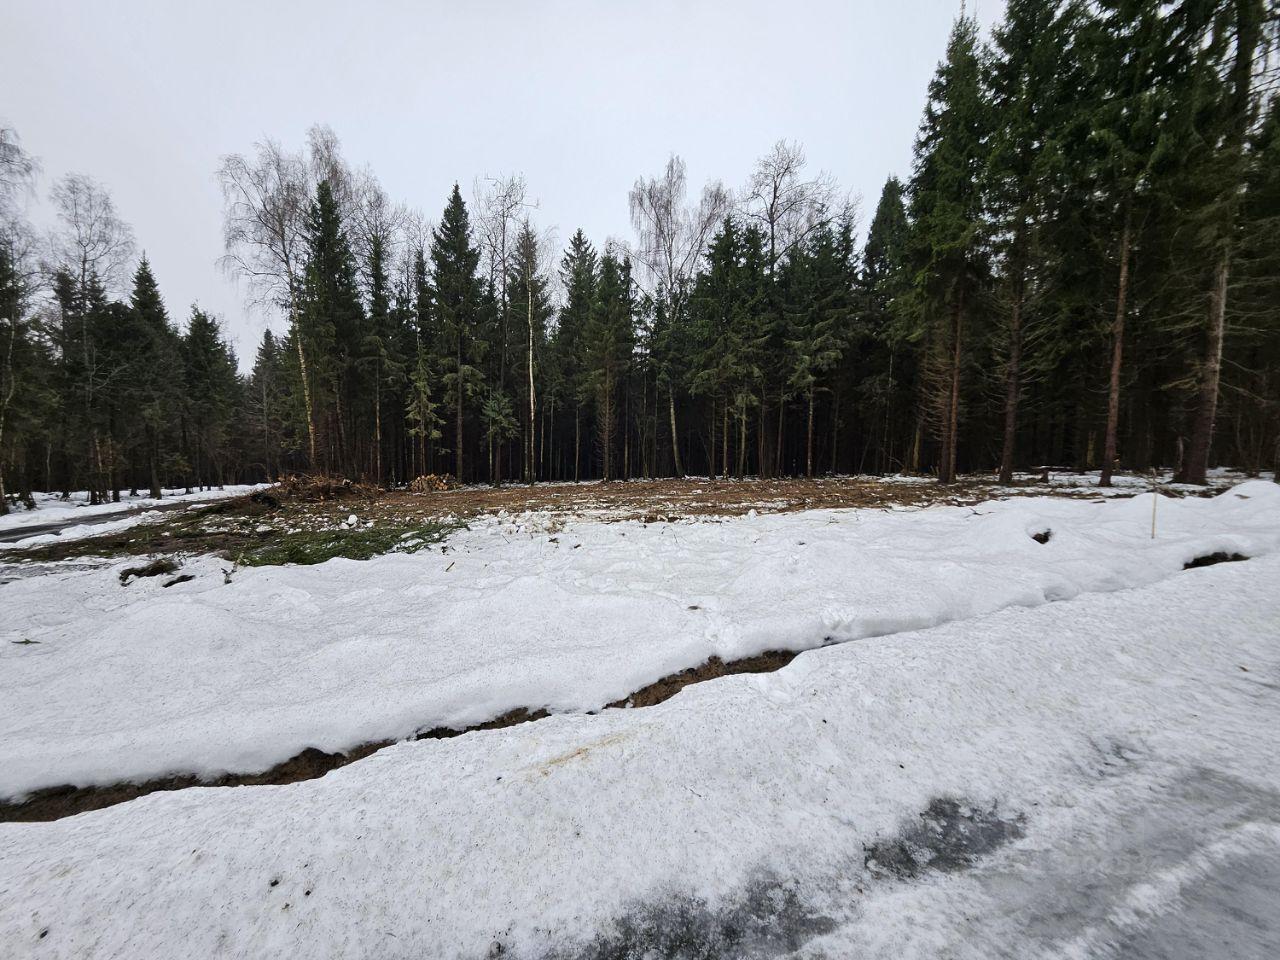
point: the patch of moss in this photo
(316, 546)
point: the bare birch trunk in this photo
(675, 436)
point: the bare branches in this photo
(671, 235)
(784, 204)
(93, 241)
(18, 171)
(263, 219)
(500, 202)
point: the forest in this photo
(1080, 270)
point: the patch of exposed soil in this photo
(155, 568)
(1209, 559)
(54, 803)
(670, 685)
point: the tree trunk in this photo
(1013, 374)
(950, 431)
(306, 398)
(782, 413)
(762, 442)
(1196, 465)
(377, 427)
(1117, 354)
(10, 386)
(675, 437)
(835, 430)
(532, 417)
(457, 439)
(808, 441)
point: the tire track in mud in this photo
(55, 803)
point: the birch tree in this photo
(264, 208)
(671, 239)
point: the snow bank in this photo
(203, 677)
(51, 508)
(1130, 736)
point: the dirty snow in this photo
(51, 508)
(207, 677)
(1126, 740)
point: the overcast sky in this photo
(579, 97)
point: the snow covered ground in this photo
(204, 677)
(55, 520)
(51, 508)
(1098, 777)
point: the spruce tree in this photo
(947, 256)
(1032, 79)
(1233, 32)
(457, 305)
(886, 363)
(530, 308)
(157, 371)
(608, 341)
(1128, 99)
(818, 304)
(579, 275)
(211, 388)
(265, 405)
(330, 321)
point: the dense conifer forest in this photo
(1081, 269)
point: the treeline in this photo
(1082, 270)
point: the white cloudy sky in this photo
(581, 97)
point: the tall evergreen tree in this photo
(211, 388)
(457, 304)
(947, 254)
(579, 275)
(330, 322)
(607, 344)
(531, 308)
(156, 373)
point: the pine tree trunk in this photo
(11, 385)
(675, 437)
(782, 413)
(835, 430)
(808, 442)
(917, 439)
(762, 442)
(1013, 374)
(457, 438)
(1117, 354)
(154, 464)
(947, 462)
(711, 447)
(577, 442)
(886, 445)
(377, 427)
(532, 416)
(724, 440)
(606, 427)
(1196, 465)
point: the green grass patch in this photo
(316, 546)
